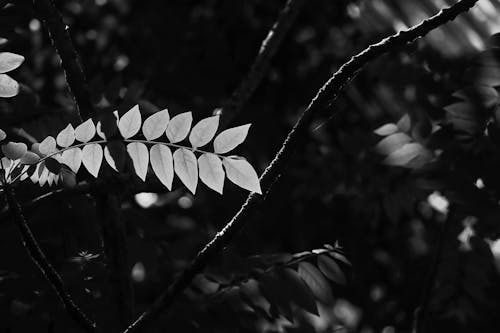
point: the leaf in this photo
(162, 164)
(66, 137)
(14, 150)
(92, 158)
(319, 286)
(156, 125)
(130, 123)
(30, 158)
(186, 168)
(331, 269)
(299, 293)
(179, 126)
(391, 143)
(140, 158)
(114, 154)
(211, 171)
(273, 289)
(242, 174)
(3, 135)
(407, 153)
(484, 95)
(10, 61)
(229, 139)
(53, 165)
(85, 131)
(48, 146)
(204, 131)
(8, 86)
(386, 129)
(72, 158)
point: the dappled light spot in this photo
(138, 273)
(146, 199)
(437, 201)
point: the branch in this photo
(295, 138)
(59, 33)
(261, 63)
(39, 258)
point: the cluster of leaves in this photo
(55, 158)
(269, 287)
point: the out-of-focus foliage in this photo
(388, 218)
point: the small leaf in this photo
(72, 158)
(85, 131)
(406, 155)
(115, 155)
(299, 293)
(3, 135)
(186, 168)
(140, 158)
(331, 269)
(66, 137)
(211, 171)
(30, 158)
(10, 61)
(386, 129)
(179, 126)
(52, 165)
(48, 146)
(204, 131)
(316, 282)
(156, 125)
(162, 164)
(242, 174)
(8, 86)
(229, 139)
(14, 150)
(391, 143)
(92, 158)
(130, 123)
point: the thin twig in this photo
(39, 258)
(326, 95)
(59, 33)
(260, 66)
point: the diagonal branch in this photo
(39, 258)
(294, 140)
(59, 33)
(260, 66)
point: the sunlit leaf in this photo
(3, 135)
(331, 269)
(155, 125)
(241, 173)
(186, 168)
(30, 158)
(8, 86)
(43, 175)
(10, 61)
(211, 171)
(407, 154)
(72, 158)
(115, 155)
(48, 146)
(229, 139)
(386, 129)
(92, 158)
(319, 286)
(66, 137)
(14, 150)
(130, 123)
(162, 164)
(140, 158)
(391, 143)
(85, 131)
(179, 126)
(204, 131)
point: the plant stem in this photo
(50, 274)
(296, 137)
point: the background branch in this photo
(39, 258)
(260, 66)
(294, 140)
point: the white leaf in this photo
(10, 61)
(242, 174)
(140, 157)
(156, 125)
(386, 129)
(179, 126)
(229, 139)
(186, 168)
(85, 131)
(48, 146)
(109, 158)
(162, 164)
(130, 123)
(204, 131)
(8, 86)
(211, 171)
(92, 158)
(42, 179)
(66, 137)
(72, 158)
